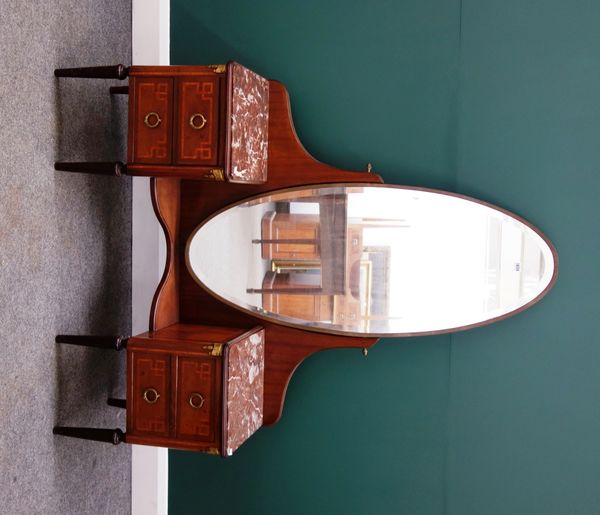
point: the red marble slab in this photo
(244, 390)
(247, 126)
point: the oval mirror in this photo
(372, 259)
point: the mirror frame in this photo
(261, 314)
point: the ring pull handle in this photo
(194, 124)
(150, 395)
(152, 120)
(196, 400)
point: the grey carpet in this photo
(65, 257)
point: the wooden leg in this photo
(114, 436)
(101, 342)
(119, 90)
(95, 72)
(117, 403)
(115, 169)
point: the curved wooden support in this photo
(290, 164)
(285, 349)
(165, 195)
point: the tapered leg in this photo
(101, 342)
(114, 436)
(117, 403)
(115, 169)
(95, 72)
(119, 90)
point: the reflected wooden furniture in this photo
(290, 236)
(189, 387)
(308, 292)
(300, 295)
(199, 122)
(298, 236)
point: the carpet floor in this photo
(65, 257)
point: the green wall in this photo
(499, 99)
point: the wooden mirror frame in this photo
(343, 332)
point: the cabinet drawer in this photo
(197, 120)
(197, 398)
(150, 392)
(153, 120)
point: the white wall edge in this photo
(149, 465)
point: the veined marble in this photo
(248, 126)
(245, 388)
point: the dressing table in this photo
(216, 361)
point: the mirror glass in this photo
(371, 259)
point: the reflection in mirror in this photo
(376, 260)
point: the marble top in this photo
(244, 390)
(248, 125)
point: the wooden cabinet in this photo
(188, 122)
(195, 387)
(176, 121)
(198, 122)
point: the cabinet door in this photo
(152, 120)
(197, 121)
(289, 227)
(150, 393)
(197, 400)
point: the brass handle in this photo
(151, 395)
(193, 121)
(196, 400)
(148, 123)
